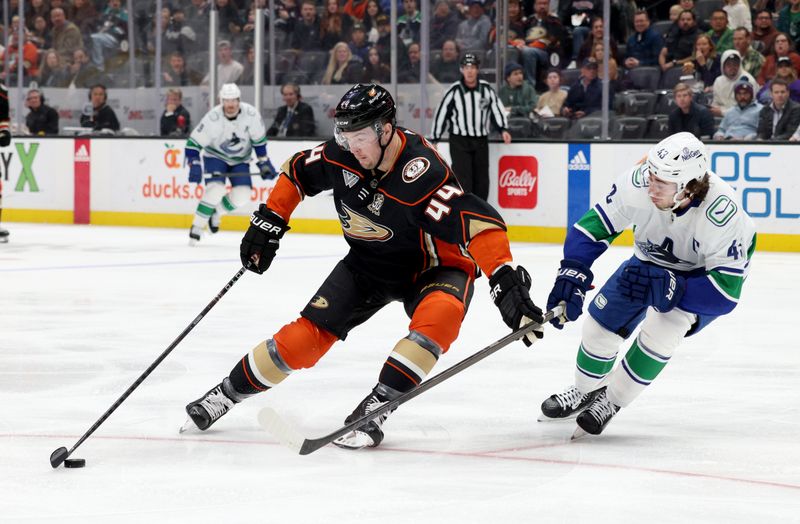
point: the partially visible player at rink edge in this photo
(692, 248)
(5, 140)
(415, 237)
(227, 135)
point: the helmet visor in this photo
(349, 140)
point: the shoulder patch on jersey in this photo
(415, 168)
(721, 211)
(213, 116)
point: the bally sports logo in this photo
(517, 182)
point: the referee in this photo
(465, 110)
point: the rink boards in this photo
(539, 188)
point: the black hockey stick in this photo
(61, 454)
(290, 437)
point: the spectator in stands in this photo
(720, 33)
(98, 115)
(785, 71)
(444, 23)
(371, 21)
(66, 35)
(40, 34)
(738, 12)
(178, 35)
(410, 23)
(384, 43)
(732, 72)
(335, 26)
(789, 21)
(175, 120)
(688, 5)
(678, 45)
(752, 60)
(688, 115)
(33, 8)
(781, 117)
(358, 42)
(82, 72)
(551, 101)
(42, 119)
(644, 45)
(543, 37)
(585, 96)
(473, 32)
(596, 35)
(597, 56)
(675, 12)
(229, 70)
(740, 121)
(705, 62)
(375, 70)
(410, 72)
(113, 30)
(197, 15)
(168, 45)
(518, 96)
(342, 68)
(288, 15)
(782, 48)
(177, 74)
(53, 73)
(9, 61)
(577, 15)
(294, 117)
(228, 20)
(306, 35)
(446, 68)
(84, 15)
(764, 31)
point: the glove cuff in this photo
(578, 266)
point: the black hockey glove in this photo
(573, 281)
(261, 241)
(509, 288)
(651, 286)
(5, 137)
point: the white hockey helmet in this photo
(679, 158)
(229, 92)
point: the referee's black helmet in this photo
(470, 59)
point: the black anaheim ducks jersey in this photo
(403, 222)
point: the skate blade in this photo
(579, 433)
(188, 426)
(545, 418)
(354, 440)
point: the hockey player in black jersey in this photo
(415, 237)
(5, 139)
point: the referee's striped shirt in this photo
(466, 111)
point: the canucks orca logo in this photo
(233, 146)
(358, 226)
(661, 253)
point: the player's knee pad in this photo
(213, 193)
(599, 341)
(302, 343)
(240, 195)
(663, 332)
(438, 317)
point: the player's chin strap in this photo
(379, 131)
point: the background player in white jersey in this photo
(228, 134)
(692, 249)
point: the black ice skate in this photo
(567, 404)
(210, 407)
(4, 236)
(596, 417)
(194, 235)
(214, 221)
(370, 434)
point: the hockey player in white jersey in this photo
(692, 248)
(227, 135)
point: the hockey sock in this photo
(641, 366)
(409, 363)
(261, 369)
(227, 205)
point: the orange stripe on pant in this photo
(302, 343)
(439, 318)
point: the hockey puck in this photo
(74, 463)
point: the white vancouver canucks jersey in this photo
(230, 140)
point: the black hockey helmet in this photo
(363, 105)
(470, 59)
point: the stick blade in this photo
(58, 456)
(270, 420)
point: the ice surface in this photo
(85, 310)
